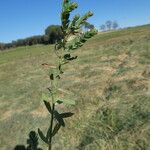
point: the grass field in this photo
(111, 86)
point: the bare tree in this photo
(109, 25)
(115, 25)
(102, 27)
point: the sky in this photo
(25, 18)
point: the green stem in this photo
(51, 127)
(52, 116)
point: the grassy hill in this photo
(112, 90)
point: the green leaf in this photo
(69, 102)
(59, 101)
(45, 96)
(66, 101)
(67, 8)
(72, 25)
(51, 76)
(72, 58)
(48, 133)
(60, 69)
(58, 76)
(84, 18)
(67, 56)
(48, 106)
(59, 118)
(90, 33)
(49, 90)
(56, 129)
(66, 115)
(42, 136)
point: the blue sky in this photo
(24, 18)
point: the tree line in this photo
(109, 25)
(52, 33)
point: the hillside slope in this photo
(111, 83)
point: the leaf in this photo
(60, 69)
(48, 106)
(69, 102)
(42, 136)
(72, 58)
(59, 101)
(49, 90)
(58, 76)
(66, 115)
(51, 76)
(66, 101)
(56, 129)
(73, 26)
(48, 133)
(67, 56)
(59, 118)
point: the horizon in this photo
(23, 19)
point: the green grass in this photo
(111, 87)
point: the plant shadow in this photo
(32, 143)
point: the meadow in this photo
(111, 89)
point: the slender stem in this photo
(52, 116)
(53, 99)
(51, 127)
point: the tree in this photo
(115, 25)
(109, 25)
(44, 39)
(54, 32)
(102, 27)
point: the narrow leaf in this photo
(42, 136)
(56, 129)
(49, 89)
(48, 106)
(48, 133)
(59, 118)
(59, 101)
(58, 76)
(66, 115)
(51, 76)
(60, 69)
